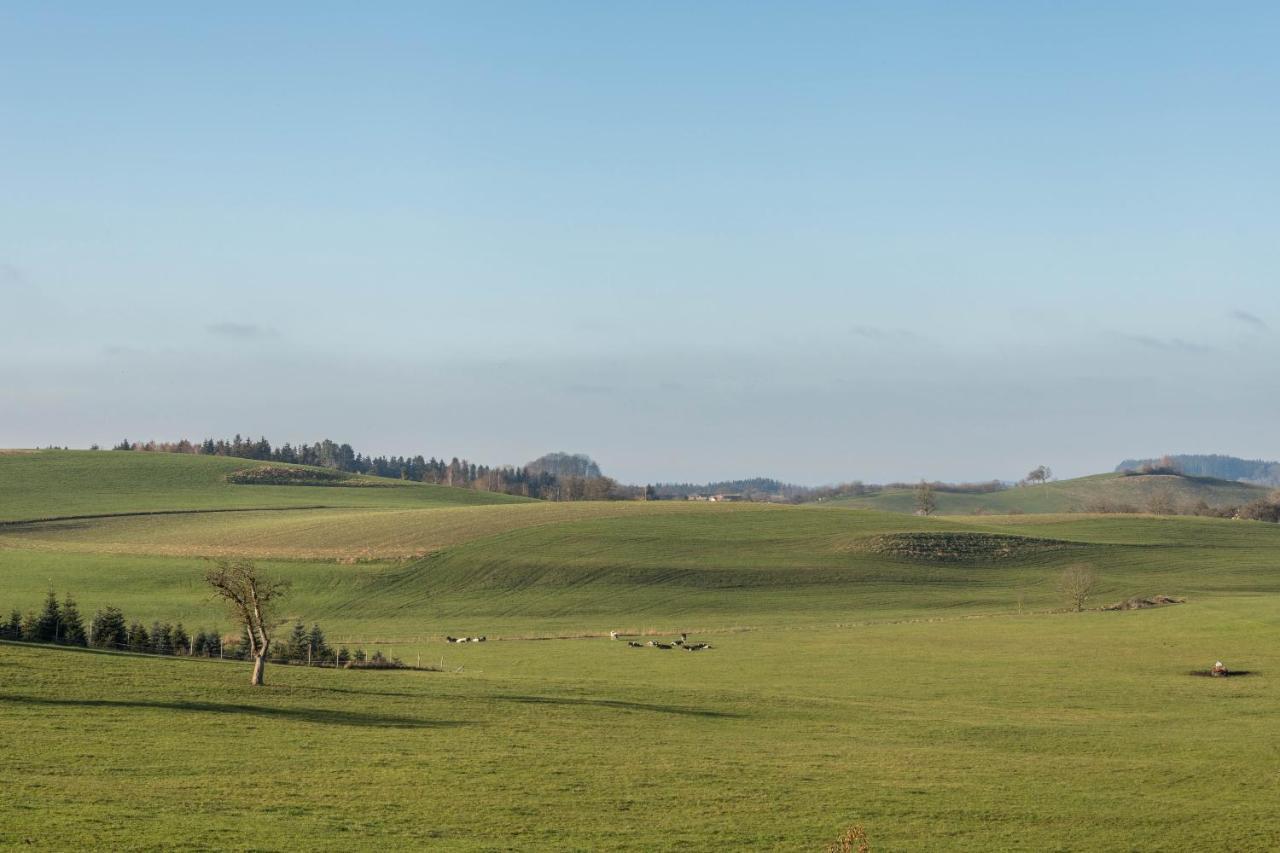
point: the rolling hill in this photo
(64, 483)
(1261, 472)
(1100, 492)
(919, 676)
(402, 557)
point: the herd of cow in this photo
(682, 643)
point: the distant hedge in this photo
(279, 475)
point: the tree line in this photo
(1167, 503)
(61, 623)
(534, 480)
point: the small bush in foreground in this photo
(852, 840)
(376, 661)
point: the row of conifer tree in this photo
(60, 622)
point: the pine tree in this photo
(200, 644)
(72, 625)
(13, 628)
(30, 631)
(49, 622)
(298, 644)
(181, 641)
(139, 639)
(319, 648)
(343, 656)
(109, 629)
(162, 638)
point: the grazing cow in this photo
(633, 644)
(455, 640)
(613, 635)
(663, 645)
(697, 647)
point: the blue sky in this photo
(808, 240)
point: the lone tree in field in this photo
(249, 595)
(926, 502)
(1076, 585)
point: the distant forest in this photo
(556, 476)
(1214, 465)
(768, 489)
(756, 488)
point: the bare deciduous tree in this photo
(249, 595)
(1161, 502)
(926, 502)
(1077, 584)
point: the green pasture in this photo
(59, 483)
(1057, 732)
(943, 699)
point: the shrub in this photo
(280, 475)
(852, 840)
(1267, 509)
(377, 661)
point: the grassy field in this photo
(1075, 495)
(916, 675)
(62, 483)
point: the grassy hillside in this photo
(1077, 495)
(917, 675)
(59, 483)
(517, 570)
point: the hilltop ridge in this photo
(1159, 493)
(1258, 471)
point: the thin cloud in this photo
(880, 333)
(121, 351)
(587, 390)
(239, 331)
(1253, 321)
(1167, 344)
(12, 277)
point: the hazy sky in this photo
(816, 241)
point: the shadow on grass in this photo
(357, 692)
(1234, 673)
(620, 705)
(304, 715)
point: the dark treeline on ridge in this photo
(768, 489)
(1215, 465)
(556, 476)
